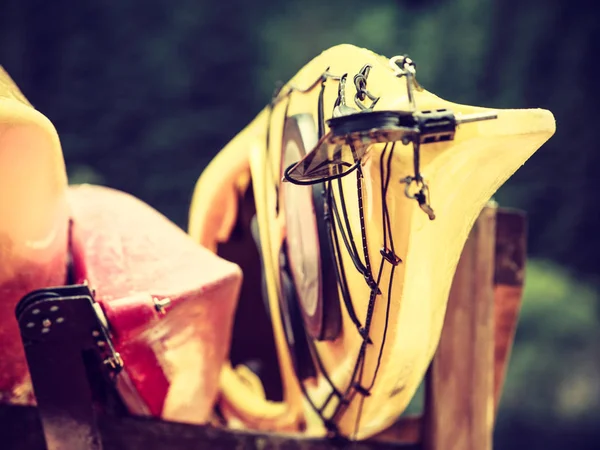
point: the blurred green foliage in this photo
(553, 379)
(145, 92)
(162, 86)
(560, 318)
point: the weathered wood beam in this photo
(20, 429)
(509, 277)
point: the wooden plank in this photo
(20, 429)
(509, 277)
(459, 386)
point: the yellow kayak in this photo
(34, 221)
(365, 188)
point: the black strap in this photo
(64, 340)
(339, 224)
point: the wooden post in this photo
(511, 254)
(459, 405)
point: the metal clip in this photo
(390, 257)
(340, 108)
(161, 304)
(403, 66)
(421, 196)
(110, 357)
(360, 83)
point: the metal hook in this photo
(341, 98)
(403, 66)
(423, 200)
(340, 108)
(360, 82)
(421, 196)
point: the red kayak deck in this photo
(169, 302)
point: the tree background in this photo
(145, 92)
